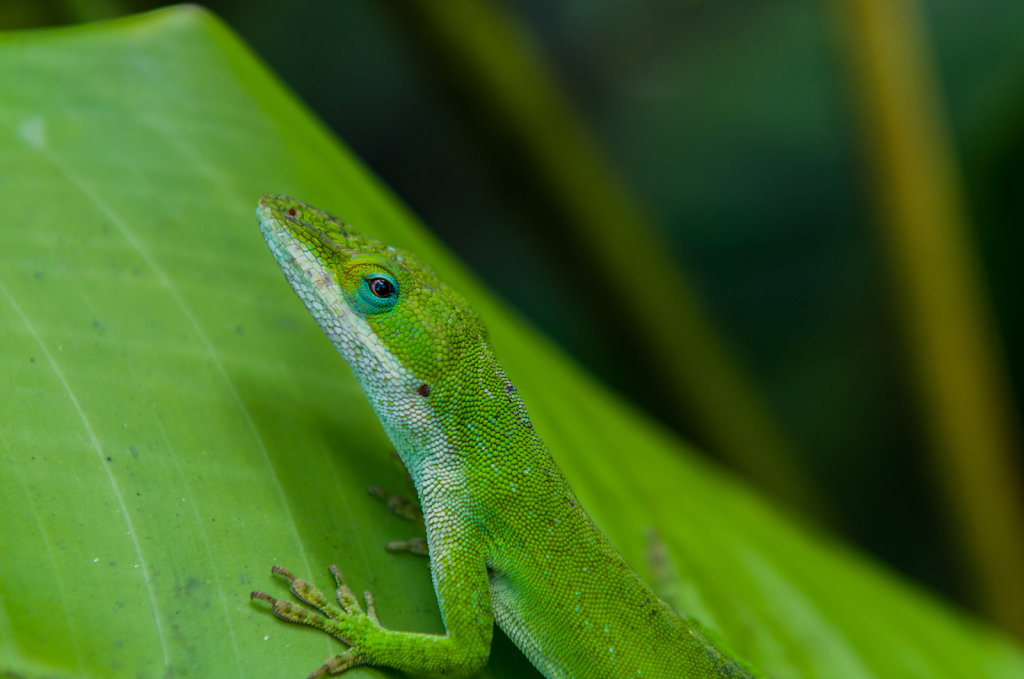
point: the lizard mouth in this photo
(312, 281)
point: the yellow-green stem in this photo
(965, 398)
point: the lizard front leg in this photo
(461, 584)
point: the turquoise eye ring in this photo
(376, 293)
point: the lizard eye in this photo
(375, 292)
(381, 287)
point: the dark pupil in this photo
(381, 287)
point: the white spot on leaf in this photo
(33, 133)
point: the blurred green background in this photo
(751, 138)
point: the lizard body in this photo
(509, 542)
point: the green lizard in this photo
(508, 541)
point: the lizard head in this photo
(397, 325)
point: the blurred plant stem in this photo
(79, 11)
(487, 62)
(965, 397)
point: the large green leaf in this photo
(173, 423)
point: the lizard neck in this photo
(472, 423)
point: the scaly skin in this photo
(508, 540)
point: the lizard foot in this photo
(405, 509)
(338, 621)
(416, 546)
(399, 506)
